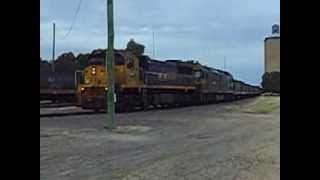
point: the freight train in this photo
(141, 81)
(58, 85)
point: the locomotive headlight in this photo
(93, 71)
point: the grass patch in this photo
(130, 129)
(263, 105)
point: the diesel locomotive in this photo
(141, 81)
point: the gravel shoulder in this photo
(238, 140)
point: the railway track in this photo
(60, 110)
(57, 105)
(67, 114)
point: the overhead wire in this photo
(74, 19)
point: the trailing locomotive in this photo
(142, 82)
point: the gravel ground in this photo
(238, 140)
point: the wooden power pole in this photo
(53, 46)
(110, 123)
(153, 50)
(52, 62)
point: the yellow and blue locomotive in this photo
(144, 82)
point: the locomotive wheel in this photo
(122, 109)
(145, 106)
(125, 108)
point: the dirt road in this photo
(239, 140)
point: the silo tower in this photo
(272, 50)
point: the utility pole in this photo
(53, 80)
(53, 46)
(224, 63)
(153, 45)
(110, 123)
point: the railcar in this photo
(57, 86)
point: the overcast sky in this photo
(203, 30)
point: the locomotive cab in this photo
(91, 93)
(92, 89)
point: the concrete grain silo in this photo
(272, 50)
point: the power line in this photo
(74, 19)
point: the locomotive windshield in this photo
(119, 59)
